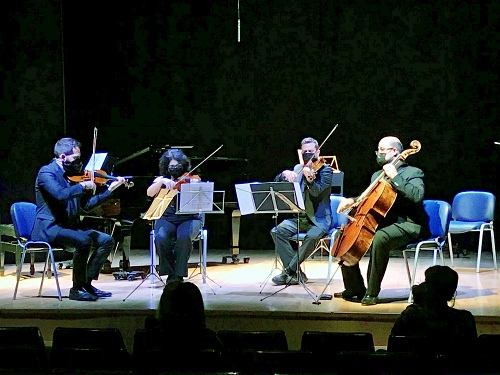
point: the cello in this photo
(372, 206)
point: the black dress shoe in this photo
(369, 300)
(96, 292)
(81, 295)
(347, 294)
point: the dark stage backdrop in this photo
(156, 73)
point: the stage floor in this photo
(236, 296)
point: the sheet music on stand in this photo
(273, 198)
(197, 198)
(261, 197)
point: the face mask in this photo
(381, 159)
(308, 156)
(73, 168)
(175, 170)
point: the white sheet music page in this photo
(196, 197)
(100, 158)
(246, 202)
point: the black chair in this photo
(17, 345)
(155, 352)
(253, 340)
(334, 342)
(240, 346)
(89, 351)
(283, 362)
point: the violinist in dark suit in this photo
(59, 204)
(315, 220)
(174, 233)
(404, 223)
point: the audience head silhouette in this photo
(181, 305)
(439, 287)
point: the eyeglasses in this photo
(385, 149)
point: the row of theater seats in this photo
(102, 351)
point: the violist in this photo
(174, 233)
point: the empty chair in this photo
(329, 347)
(17, 344)
(89, 350)
(439, 216)
(23, 217)
(330, 343)
(473, 211)
(239, 346)
(253, 340)
(283, 362)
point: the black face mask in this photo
(381, 159)
(73, 168)
(175, 170)
(308, 156)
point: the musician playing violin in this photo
(404, 223)
(316, 183)
(174, 233)
(60, 203)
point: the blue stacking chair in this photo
(439, 217)
(23, 218)
(473, 211)
(338, 220)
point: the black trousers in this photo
(86, 265)
(393, 237)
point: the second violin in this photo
(100, 178)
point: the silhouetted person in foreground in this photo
(181, 317)
(432, 316)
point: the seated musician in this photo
(174, 233)
(315, 221)
(405, 222)
(59, 204)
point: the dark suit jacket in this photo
(408, 208)
(316, 195)
(59, 202)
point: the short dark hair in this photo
(173, 154)
(181, 303)
(442, 280)
(310, 140)
(65, 146)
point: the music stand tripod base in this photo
(152, 275)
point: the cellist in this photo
(404, 223)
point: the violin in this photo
(100, 178)
(186, 178)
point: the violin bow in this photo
(200, 163)
(321, 145)
(328, 136)
(94, 146)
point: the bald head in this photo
(390, 142)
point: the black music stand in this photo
(154, 212)
(198, 198)
(274, 198)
